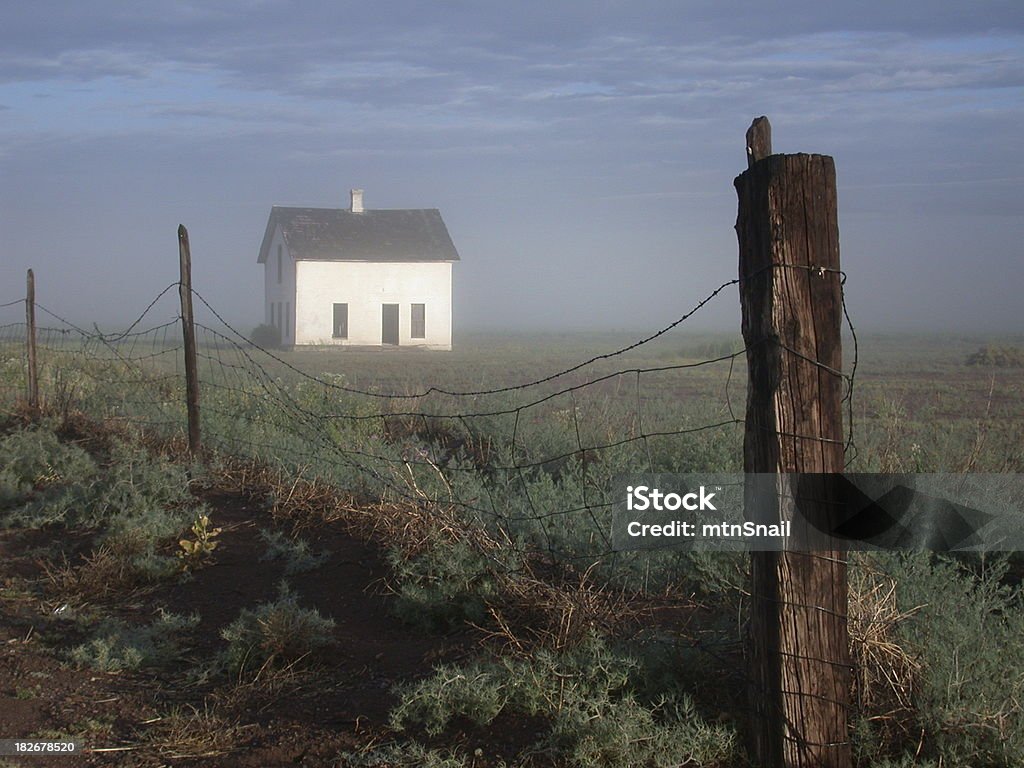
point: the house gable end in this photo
(268, 237)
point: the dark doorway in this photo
(341, 321)
(389, 328)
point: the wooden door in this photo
(389, 324)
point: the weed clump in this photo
(47, 482)
(294, 553)
(445, 585)
(132, 502)
(946, 672)
(587, 699)
(115, 646)
(38, 466)
(274, 633)
(119, 564)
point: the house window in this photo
(287, 319)
(341, 321)
(419, 321)
(280, 267)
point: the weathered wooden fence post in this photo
(189, 332)
(30, 343)
(790, 291)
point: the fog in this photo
(581, 154)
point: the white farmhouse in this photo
(359, 277)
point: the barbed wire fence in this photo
(533, 462)
(577, 425)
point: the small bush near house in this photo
(266, 336)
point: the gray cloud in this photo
(598, 128)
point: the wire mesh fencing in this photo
(531, 457)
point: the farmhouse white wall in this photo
(365, 286)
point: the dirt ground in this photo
(307, 715)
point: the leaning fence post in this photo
(790, 292)
(189, 332)
(30, 343)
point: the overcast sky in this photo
(582, 153)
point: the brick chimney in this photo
(357, 201)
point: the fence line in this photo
(121, 365)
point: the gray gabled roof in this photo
(333, 234)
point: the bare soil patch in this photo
(304, 715)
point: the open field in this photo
(388, 575)
(911, 389)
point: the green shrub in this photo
(295, 553)
(406, 756)
(38, 466)
(965, 636)
(445, 585)
(117, 646)
(585, 696)
(274, 633)
(141, 492)
(149, 566)
(48, 482)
